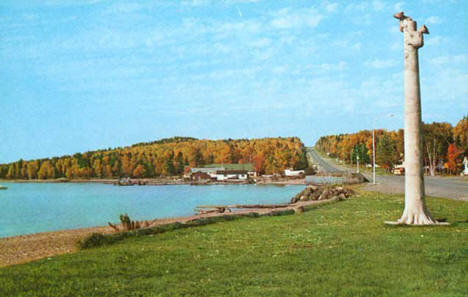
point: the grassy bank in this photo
(341, 249)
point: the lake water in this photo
(37, 207)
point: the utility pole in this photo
(373, 152)
(357, 164)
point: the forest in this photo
(165, 157)
(444, 146)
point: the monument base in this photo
(396, 223)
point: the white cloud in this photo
(243, 27)
(397, 46)
(347, 43)
(380, 64)
(446, 60)
(384, 91)
(356, 46)
(279, 69)
(261, 42)
(334, 67)
(432, 20)
(446, 86)
(433, 40)
(331, 7)
(362, 6)
(196, 3)
(287, 18)
(398, 6)
(395, 29)
(378, 5)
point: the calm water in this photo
(29, 207)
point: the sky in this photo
(90, 74)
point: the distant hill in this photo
(165, 157)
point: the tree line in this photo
(165, 157)
(444, 146)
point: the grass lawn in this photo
(341, 249)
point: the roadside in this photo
(447, 187)
(455, 187)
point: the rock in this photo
(324, 195)
(299, 210)
(313, 188)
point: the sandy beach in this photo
(26, 248)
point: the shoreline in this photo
(18, 249)
(22, 249)
(164, 181)
(26, 248)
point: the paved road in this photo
(447, 187)
(323, 165)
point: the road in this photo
(323, 165)
(447, 187)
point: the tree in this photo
(32, 169)
(139, 171)
(452, 157)
(127, 168)
(46, 171)
(180, 163)
(169, 165)
(164, 157)
(258, 163)
(97, 167)
(436, 139)
(360, 150)
(460, 134)
(385, 152)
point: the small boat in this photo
(3, 187)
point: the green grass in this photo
(340, 249)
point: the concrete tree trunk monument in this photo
(415, 212)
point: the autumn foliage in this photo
(453, 154)
(166, 157)
(442, 145)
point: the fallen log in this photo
(244, 206)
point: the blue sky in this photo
(84, 75)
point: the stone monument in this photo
(415, 212)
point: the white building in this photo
(210, 171)
(290, 172)
(231, 174)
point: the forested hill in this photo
(444, 146)
(165, 157)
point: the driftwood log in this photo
(205, 209)
(310, 193)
